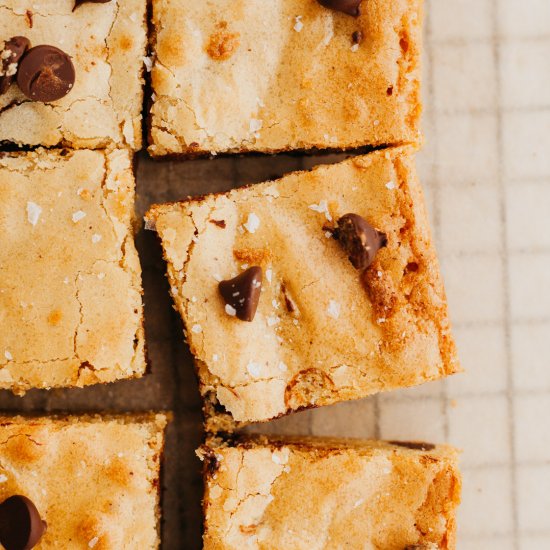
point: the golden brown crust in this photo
(89, 476)
(317, 493)
(70, 279)
(106, 42)
(246, 75)
(336, 340)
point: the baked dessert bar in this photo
(302, 325)
(94, 480)
(283, 75)
(106, 44)
(70, 278)
(326, 493)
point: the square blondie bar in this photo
(326, 493)
(70, 278)
(106, 43)
(277, 316)
(94, 480)
(283, 75)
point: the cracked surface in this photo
(223, 65)
(107, 43)
(392, 329)
(70, 291)
(90, 477)
(321, 494)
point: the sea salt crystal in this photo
(253, 223)
(78, 215)
(96, 238)
(322, 208)
(33, 212)
(148, 62)
(8, 355)
(230, 310)
(254, 369)
(272, 320)
(298, 25)
(333, 309)
(196, 329)
(390, 185)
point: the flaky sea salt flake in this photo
(254, 369)
(321, 208)
(333, 309)
(33, 212)
(78, 215)
(253, 223)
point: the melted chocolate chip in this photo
(359, 239)
(80, 2)
(351, 7)
(415, 445)
(242, 293)
(21, 526)
(46, 73)
(10, 54)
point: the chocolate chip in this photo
(357, 37)
(359, 239)
(219, 223)
(45, 74)
(21, 526)
(10, 54)
(351, 7)
(289, 302)
(80, 2)
(415, 445)
(242, 293)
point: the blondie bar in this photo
(325, 494)
(93, 480)
(279, 318)
(90, 52)
(283, 75)
(70, 278)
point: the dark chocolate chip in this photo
(45, 74)
(359, 239)
(242, 293)
(80, 2)
(415, 445)
(351, 7)
(10, 54)
(357, 37)
(21, 526)
(219, 223)
(289, 302)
